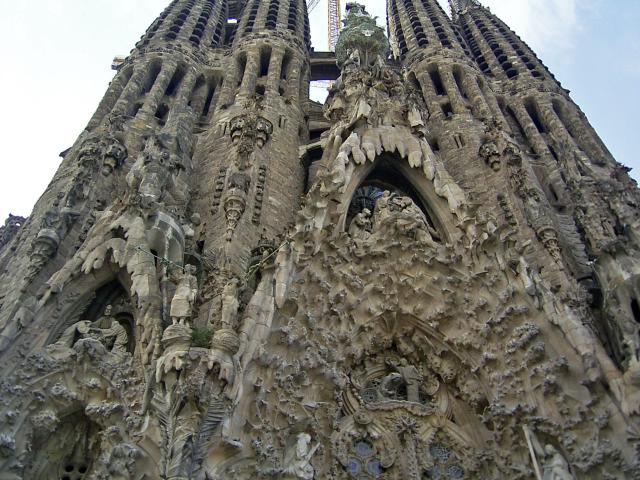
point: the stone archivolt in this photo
(398, 323)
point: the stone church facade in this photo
(434, 275)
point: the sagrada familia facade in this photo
(434, 275)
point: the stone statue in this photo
(45, 247)
(185, 296)
(411, 376)
(72, 334)
(412, 219)
(300, 465)
(113, 155)
(106, 329)
(360, 228)
(383, 210)
(230, 304)
(555, 466)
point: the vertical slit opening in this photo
(532, 110)
(635, 309)
(436, 79)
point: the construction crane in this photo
(334, 17)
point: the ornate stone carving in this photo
(219, 188)
(405, 327)
(105, 149)
(235, 202)
(259, 195)
(248, 131)
(107, 330)
(298, 465)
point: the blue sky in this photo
(57, 53)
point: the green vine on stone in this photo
(201, 337)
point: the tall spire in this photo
(416, 25)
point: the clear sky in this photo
(57, 55)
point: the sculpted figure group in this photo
(394, 214)
(107, 330)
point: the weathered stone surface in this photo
(438, 279)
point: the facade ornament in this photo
(395, 213)
(247, 131)
(259, 195)
(45, 247)
(489, 151)
(105, 149)
(176, 342)
(55, 225)
(410, 375)
(235, 202)
(406, 327)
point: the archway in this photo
(392, 173)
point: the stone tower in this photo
(434, 275)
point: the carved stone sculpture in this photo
(411, 376)
(185, 296)
(107, 330)
(360, 228)
(300, 465)
(555, 466)
(230, 304)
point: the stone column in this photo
(159, 88)
(430, 95)
(248, 85)
(294, 80)
(458, 104)
(476, 95)
(275, 72)
(133, 89)
(182, 96)
(230, 83)
(108, 102)
(538, 143)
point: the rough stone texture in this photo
(434, 275)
